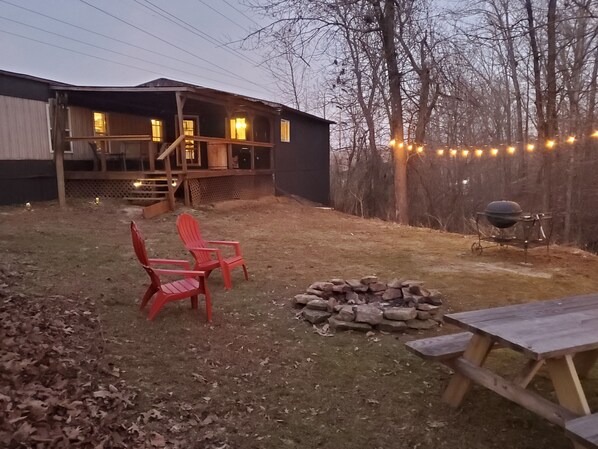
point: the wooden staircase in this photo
(151, 192)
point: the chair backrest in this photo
(190, 234)
(141, 253)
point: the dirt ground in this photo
(267, 379)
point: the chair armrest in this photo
(208, 251)
(188, 273)
(183, 263)
(236, 245)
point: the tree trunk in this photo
(386, 21)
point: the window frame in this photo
(156, 123)
(287, 138)
(235, 130)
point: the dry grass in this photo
(269, 378)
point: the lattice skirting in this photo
(103, 188)
(212, 190)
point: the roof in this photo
(32, 78)
(163, 85)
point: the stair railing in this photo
(165, 156)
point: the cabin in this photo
(154, 144)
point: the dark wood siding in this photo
(27, 181)
(302, 166)
(21, 87)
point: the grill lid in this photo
(503, 214)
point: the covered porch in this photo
(153, 143)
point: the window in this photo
(157, 130)
(285, 130)
(238, 128)
(68, 146)
(100, 127)
(189, 130)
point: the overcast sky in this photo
(127, 43)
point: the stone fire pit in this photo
(368, 304)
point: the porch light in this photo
(453, 152)
(173, 184)
(409, 147)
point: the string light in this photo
(511, 150)
(453, 152)
(401, 145)
(571, 139)
(409, 147)
(479, 153)
(440, 152)
(550, 144)
(392, 142)
(464, 153)
(420, 149)
(530, 147)
(595, 134)
(494, 151)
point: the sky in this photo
(128, 42)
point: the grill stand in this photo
(535, 230)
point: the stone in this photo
(337, 308)
(377, 287)
(348, 325)
(352, 296)
(317, 304)
(356, 285)
(392, 293)
(303, 299)
(319, 293)
(395, 283)
(425, 307)
(331, 304)
(315, 316)
(418, 290)
(367, 280)
(423, 315)
(342, 288)
(323, 286)
(392, 326)
(368, 314)
(337, 281)
(433, 300)
(421, 324)
(410, 282)
(400, 313)
(346, 313)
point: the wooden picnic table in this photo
(560, 334)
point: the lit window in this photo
(189, 130)
(285, 130)
(238, 128)
(157, 130)
(99, 124)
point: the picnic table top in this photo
(543, 329)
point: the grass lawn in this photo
(267, 379)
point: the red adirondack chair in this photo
(206, 257)
(192, 284)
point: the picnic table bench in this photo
(561, 335)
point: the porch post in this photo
(180, 103)
(58, 111)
